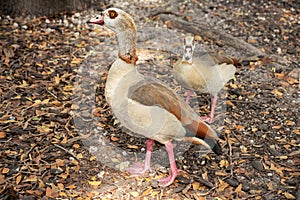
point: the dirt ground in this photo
(60, 140)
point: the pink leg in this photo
(138, 168)
(210, 118)
(170, 179)
(189, 93)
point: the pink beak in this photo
(97, 20)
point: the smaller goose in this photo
(207, 73)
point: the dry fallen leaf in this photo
(94, 183)
(18, 179)
(289, 123)
(35, 192)
(5, 170)
(51, 193)
(244, 149)
(279, 75)
(229, 103)
(238, 188)
(277, 126)
(270, 186)
(222, 185)
(292, 81)
(132, 146)
(218, 173)
(276, 92)
(134, 194)
(147, 191)
(79, 156)
(289, 195)
(71, 187)
(240, 127)
(60, 186)
(30, 179)
(2, 179)
(76, 146)
(195, 185)
(114, 139)
(93, 158)
(224, 163)
(155, 193)
(278, 170)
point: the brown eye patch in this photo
(112, 14)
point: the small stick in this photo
(230, 154)
(52, 94)
(237, 137)
(73, 155)
(37, 182)
(80, 137)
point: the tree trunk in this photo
(216, 35)
(44, 7)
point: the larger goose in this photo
(207, 73)
(145, 106)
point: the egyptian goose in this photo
(145, 106)
(207, 73)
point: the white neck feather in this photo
(127, 42)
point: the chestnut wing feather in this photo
(151, 93)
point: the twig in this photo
(285, 165)
(73, 155)
(230, 154)
(159, 12)
(28, 152)
(294, 153)
(52, 94)
(240, 101)
(68, 122)
(237, 137)
(30, 149)
(8, 103)
(83, 136)
(37, 182)
(245, 157)
(36, 135)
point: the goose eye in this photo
(112, 14)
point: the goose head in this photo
(188, 48)
(123, 25)
(115, 19)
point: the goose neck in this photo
(127, 46)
